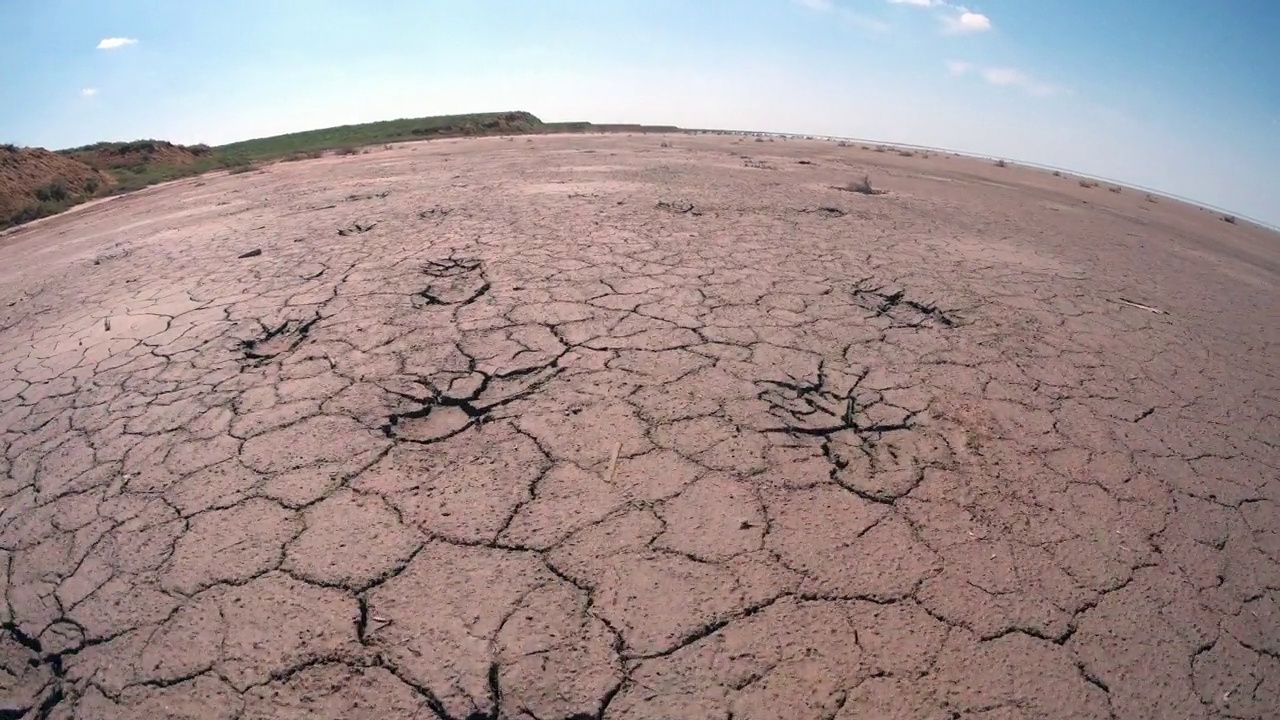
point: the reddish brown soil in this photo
(23, 171)
(895, 456)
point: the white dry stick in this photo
(1140, 306)
(613, 463)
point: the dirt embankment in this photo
(127, 155)
(35, 182)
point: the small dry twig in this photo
(613, 463)
(1140, 306)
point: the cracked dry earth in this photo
(585, 427)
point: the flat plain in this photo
(633, 427)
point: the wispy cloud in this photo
(853, 18)
(1004, 77)
(956, 19)
(116, 42)
(88, 92)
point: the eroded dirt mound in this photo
(121, 155)
(521, 443)
(35, 182)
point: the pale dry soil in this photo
(903, 456)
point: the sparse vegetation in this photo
(1057, 173)
(1229, 219)
(1116, 189)
(1151, 198)
(1001, 163)
(348, 150)
(664, 144)
(241, 169)
(54, 192)
(1088, 183)
(906, 153)
(303, 155)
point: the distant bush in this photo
(240, 169)
(1088, 183)
(10, 147)
(1057, 173)
(1229, 219)
(906, 153)
(1116, 189)
(1151, 198)
(346, 151)
(1001, 163)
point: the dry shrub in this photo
(862, 187)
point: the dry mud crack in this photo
(571, 449)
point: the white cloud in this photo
(88, 92)
(967, 22)
(1004, 77)
(958, 20)
(819, 5)
(116, 42)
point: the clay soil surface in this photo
(588, 427)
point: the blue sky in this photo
(1179, 95)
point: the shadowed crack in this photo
(458, 281)
(356, 229)
(441, 415)
(892, 303)
(436, 213)
(52, 693)
(816, 409)
(277, 341)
